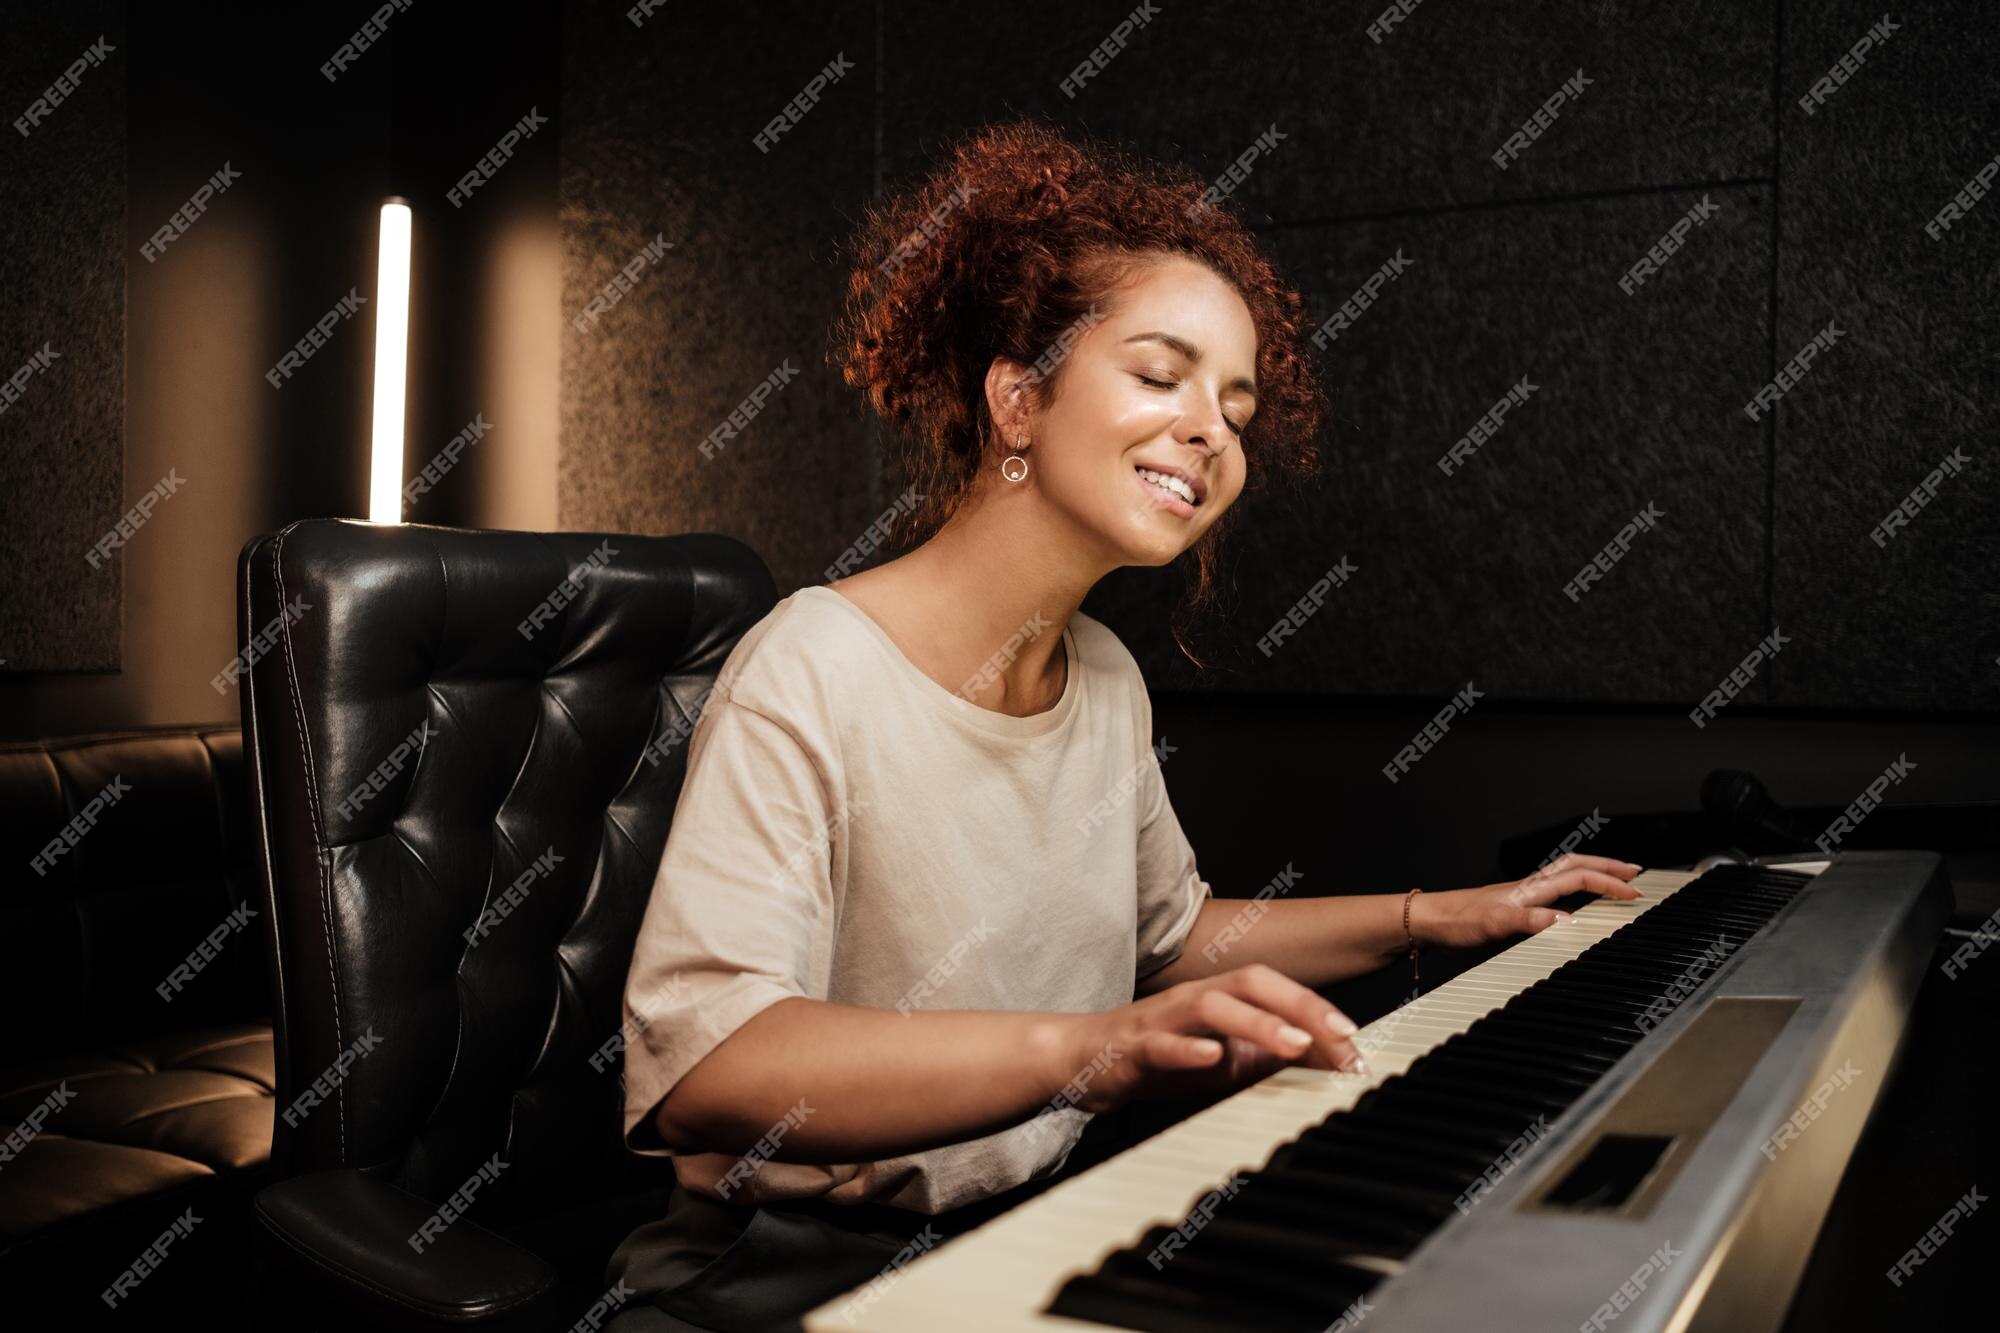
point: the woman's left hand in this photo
(1466, 918)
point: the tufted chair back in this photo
(460, 823)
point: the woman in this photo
(923, 861)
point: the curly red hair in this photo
(1002, 248)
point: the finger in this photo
(1220, 1011)
(1538, 919)
(1537, 891)
(1544, 887)
(1610, 865)
(1609, 885)
(1247, 1061)
(1177, 1050)
(1271, 989)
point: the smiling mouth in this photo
(1164, 486)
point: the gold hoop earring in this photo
(1013, 458)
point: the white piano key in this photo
(996, 1279)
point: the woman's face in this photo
(1166, 381)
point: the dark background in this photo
(1386, 148)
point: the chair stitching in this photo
(319, 845)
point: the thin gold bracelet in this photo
(1409, 898)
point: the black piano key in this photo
(1394, 1142)
(1604, 1029)
(1500, 1071)
(1401, 1164)
(1312, 1187)
(1453, 1135)
(1378, 1179)
(1619, 1019)
(1568, 1056)
(1162, 1307)
(1681, 956)
(1346, 1271)
(1525, 1094)
(1485, 1092)
(1331, 1228)
(1584, 1004)
(1690, 920)
(1292, 1296)
(1622, 971)
(1501, 1123)
(1406, 1095)
(1564, 1040)
(1610, 985)
(1587, 990)
(1659, 955)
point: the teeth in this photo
(1174, 484)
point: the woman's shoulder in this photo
(785, 663)
(1111, 663)
(1102, 650)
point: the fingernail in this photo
(1294, 1036)
(1341, 1024)
(1355, 1065)
(1562, 916)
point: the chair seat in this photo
(133, 1121)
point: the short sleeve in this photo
(1171, 891)
(741, 907)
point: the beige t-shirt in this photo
(851, 830)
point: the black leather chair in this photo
(437, 711)
(135, 1048)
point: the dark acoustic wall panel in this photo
(659, 126)
(1677, 93)
(1914, 620)
(1387, 150)
(1460, 576)
(62, 335)
(1512, 274)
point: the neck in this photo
(993, 590)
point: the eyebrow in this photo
(1192, 353)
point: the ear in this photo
(1008, 400)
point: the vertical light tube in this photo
(392, 339)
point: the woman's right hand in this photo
(1210, 1035)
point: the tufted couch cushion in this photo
(136, 1071)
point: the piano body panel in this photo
(1744, 1221)
(1847, 953)
(1760, 1265)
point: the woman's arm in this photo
(1312, 940)
(855, 1084)
(873, 1082)
(1316, 941)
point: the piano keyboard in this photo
(1589, 1108)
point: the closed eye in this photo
(1170, 384)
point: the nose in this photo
(1204, 430)
(1202, 442)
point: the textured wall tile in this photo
(1460, 577)
(1387, 147)
(62, 288)
(1676, 95)
(1913, 622)
(659, 121)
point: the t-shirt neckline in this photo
(947, 701)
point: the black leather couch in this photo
(435, 710)
(135, 1051)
